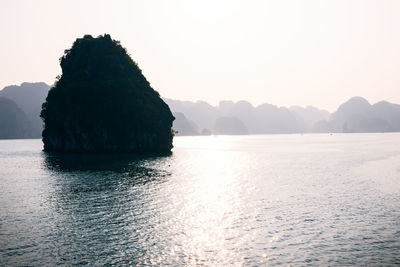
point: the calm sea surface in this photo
(217, 200)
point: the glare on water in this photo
(216, 201)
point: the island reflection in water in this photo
(146, 207)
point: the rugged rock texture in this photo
(102, 102)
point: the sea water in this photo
(312, 199)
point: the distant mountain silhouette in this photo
(263, 119)
(29, 97)
(307, 117)
(389, 112)
(182, 126)
(242, 110)
(321, 126)
(229, 125)
(358, 115)
(228, 117)
(273, 119)
(355, 115)
(13, 121)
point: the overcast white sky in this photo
(281, 52)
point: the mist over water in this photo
(314, 199)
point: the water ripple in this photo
(216, 201)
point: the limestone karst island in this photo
(103, 103)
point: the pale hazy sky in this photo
(281, 52)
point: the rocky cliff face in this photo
(102, 102)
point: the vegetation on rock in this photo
(102, 102)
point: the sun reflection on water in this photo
(216, 201)
(210, 206)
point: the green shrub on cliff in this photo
(102, 102)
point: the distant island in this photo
(28, 97)
(13, 121)
(354, 116)
(103, 103)
(21, 118)
(201, 118)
